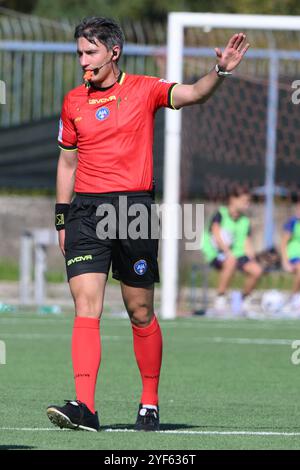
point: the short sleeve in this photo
(160, 93)
(216, 219)
(289, 225)
(67, 136)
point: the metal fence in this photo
(39, 74)
(39, 66)
(20, 26)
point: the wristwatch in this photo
(221, 73)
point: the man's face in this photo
(92, 57)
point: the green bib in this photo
(293, 247)
(234, 233)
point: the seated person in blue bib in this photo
(290, 247)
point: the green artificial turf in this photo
(218, 376)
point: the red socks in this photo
(147, 343)
(86, 357)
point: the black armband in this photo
(61, 213)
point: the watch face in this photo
(218, 70)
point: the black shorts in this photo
(241, 261)
(134, 261)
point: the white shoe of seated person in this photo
(220, 302)
(292, 306)
(248, 305)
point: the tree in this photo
(25, 6)
(151, 10)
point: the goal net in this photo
(246, 133)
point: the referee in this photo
(106, 137)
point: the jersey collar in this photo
(120, 81)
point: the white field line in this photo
(31, 429)
(214, 339)
(203, 433)
(31, 336)
(233, 325)
(193, 323)
(33, 321)
(256, 341)
(220, 433)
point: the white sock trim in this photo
(150, 407)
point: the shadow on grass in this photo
(14, 447)
(215, 427)
(163, 427)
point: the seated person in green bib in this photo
(227, 245)
(290, 250)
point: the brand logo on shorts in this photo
(102, 113)
(140, 267)
(79, 258)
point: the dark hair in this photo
(295, 196)
(106, 30)
(238, 190)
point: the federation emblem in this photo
(102, 113)
(140, 267)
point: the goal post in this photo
(177, 22)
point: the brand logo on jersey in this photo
(102, 100)
(102, 113)
(78, 119)
(164, 81)
(140, 267)
(60, 132)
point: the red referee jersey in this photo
(112, 130)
